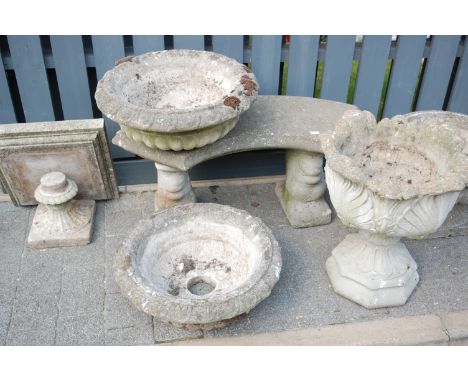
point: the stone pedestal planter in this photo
(198, 265)
(59, 220)
(390, 180)
(176, 99)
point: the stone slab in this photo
(272, 122)
(415, 330)
(30, 150)
(456, 324)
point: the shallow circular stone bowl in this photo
(398, 178)
(177, 99)
(198, 265)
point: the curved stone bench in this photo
(273, 122)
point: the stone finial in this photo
(55, 188)
(60, 220)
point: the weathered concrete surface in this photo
(272, 122)
(68, 295)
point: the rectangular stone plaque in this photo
(78, 148)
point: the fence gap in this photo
(417, 89)
(15, 96)
(352, 81)
(383, 95)
(283, 78)
(128, 45)
(168, 42)
(92, 83)
(450, 84)
(318, 79)
(55, 94)
(208, 40)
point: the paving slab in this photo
(41, 273)
(111, 246)
(119, 313)
(168, 333)
(132, 335)
(33, 320)
(80, 330)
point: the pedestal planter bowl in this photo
(390, 180)
(177, 99)
(198, 265)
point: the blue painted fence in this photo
(54, 78)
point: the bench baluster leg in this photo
(174, 188)
(301, 196)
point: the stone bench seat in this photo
(273, 122)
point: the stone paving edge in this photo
(433, 329)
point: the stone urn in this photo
(176, 99)
(198, 265)
(398, 178)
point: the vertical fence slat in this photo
(337, 67)
(438, 71)
(143, 44)
(231, 46)
(266, 56)
(72, 78)
(189, 42)
(31, 76)
(370, 79)
(458, 101)
(302, 65)
(107, 50)
(404, 75)
(7, 111)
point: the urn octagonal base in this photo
(373, 271)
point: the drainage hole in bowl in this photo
(200, 286)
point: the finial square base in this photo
(41, 236)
